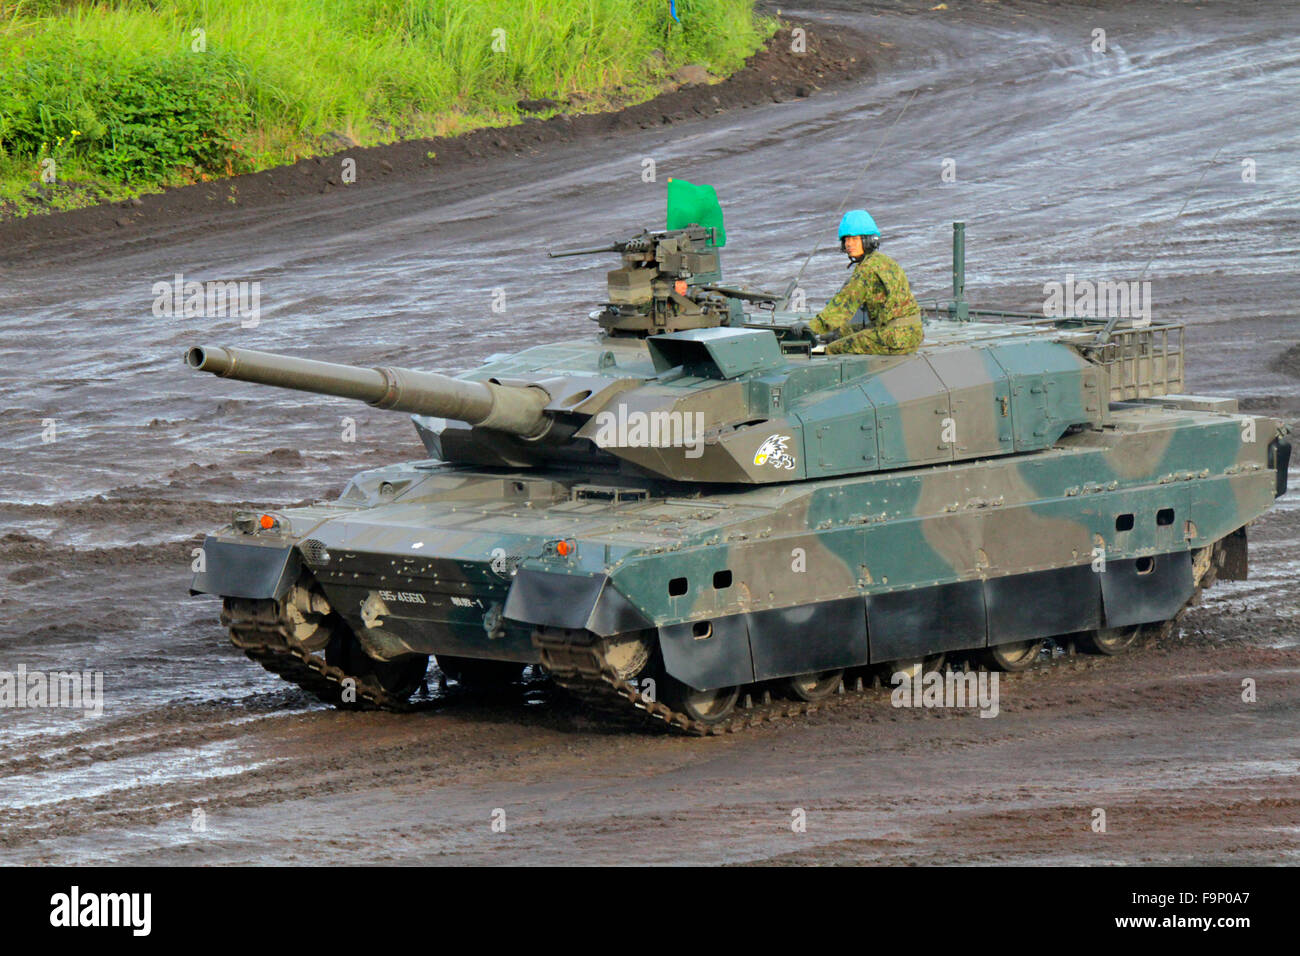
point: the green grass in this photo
(125, 96)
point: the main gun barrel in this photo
(508, 408)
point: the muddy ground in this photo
(1068, 160)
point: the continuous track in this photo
(577, 661)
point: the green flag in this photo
(689, 203)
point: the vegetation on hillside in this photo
(105, 100)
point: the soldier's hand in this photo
(801, 330)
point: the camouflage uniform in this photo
(879, 285)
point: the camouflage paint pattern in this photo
(824, 483)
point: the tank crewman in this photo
(878, 287)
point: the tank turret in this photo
(748, 405)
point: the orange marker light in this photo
(680, 286)
(563, 548)
(267, 522)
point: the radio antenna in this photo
(794, 283)
(1104, 334)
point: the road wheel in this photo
(1109, 640)
(630, 656)
(704, 706)
(812, 687)
(913, 667)
(1013, 657)
(401, 677)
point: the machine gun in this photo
(667, 283)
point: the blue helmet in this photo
(858, 222)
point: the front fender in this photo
(575, 601)
(246, 570)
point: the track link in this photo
(576, 661)
(260, 630)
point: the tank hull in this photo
(745, 585)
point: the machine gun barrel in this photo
(518, 409)
(612, 247)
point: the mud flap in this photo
(708, 654)
(908, 624)
(1043, 604)
(1145, 590)
(232, 569)
(575, 601)
(1279, 459)
(808, 639)
(763, 645)
(1236, 560)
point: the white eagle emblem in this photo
(773, 452)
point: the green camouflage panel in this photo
(879, 285)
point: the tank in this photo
(696, 516)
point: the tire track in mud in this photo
(494, 744)
(290, 765)
(1248, 831)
